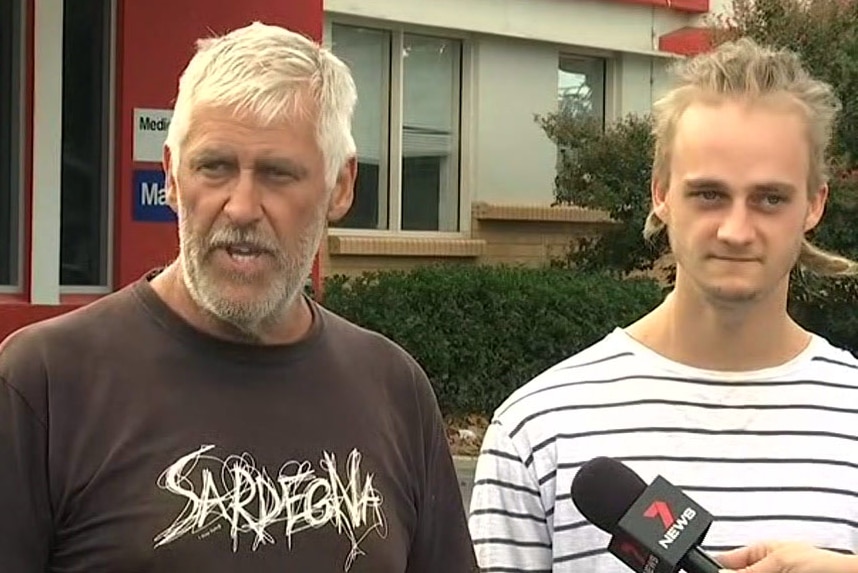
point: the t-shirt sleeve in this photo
(25, 525)
(508, 521)
(442, 541)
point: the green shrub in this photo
(827, 307)
(607, 169)
(482, 331)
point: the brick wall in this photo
(515, 234)
(532, 235)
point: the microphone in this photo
(654, 529)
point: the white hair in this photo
(267, 71)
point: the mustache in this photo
(225, 237)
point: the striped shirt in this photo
(772, 454)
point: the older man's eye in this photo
(214, 167)
(277, 174)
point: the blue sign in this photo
(150, 197)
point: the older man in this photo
(209, 417)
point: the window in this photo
(367, 52)
(406, 127)
(10, 130)
(581, 86)
(430, 136)
(86, 112)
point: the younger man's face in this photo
(737, 207)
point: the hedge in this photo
(480, 332)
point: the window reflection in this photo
(10, 87)
(581, 86)
(367, 53)
(86, 49)
(423, 82)
(430, 136)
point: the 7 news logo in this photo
(673, 527)
(659, 530)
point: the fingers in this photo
(772, 563)
(746, 556)
(781, 557)
(738, 558)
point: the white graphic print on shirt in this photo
(236, 493)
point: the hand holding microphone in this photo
(654, 529)
(782, 557)
(657, 528)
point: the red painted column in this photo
(155, 41)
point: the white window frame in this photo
(108, 189)
(394, 129)
(44, 253)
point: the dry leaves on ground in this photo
(465, 434)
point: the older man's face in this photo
(252, 204)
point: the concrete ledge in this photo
(465, 463)
(465, 467)
(537, 213)
(405, 247)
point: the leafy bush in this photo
(482, 331)
(827, 307)
(607, 169)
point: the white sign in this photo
(150, 132)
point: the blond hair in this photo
(267, 71)
(744, 69)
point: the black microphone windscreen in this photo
(604, 489)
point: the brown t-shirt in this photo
(131, 442)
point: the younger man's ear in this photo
(816, 208)
(658, 194)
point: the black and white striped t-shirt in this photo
(772, 454)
